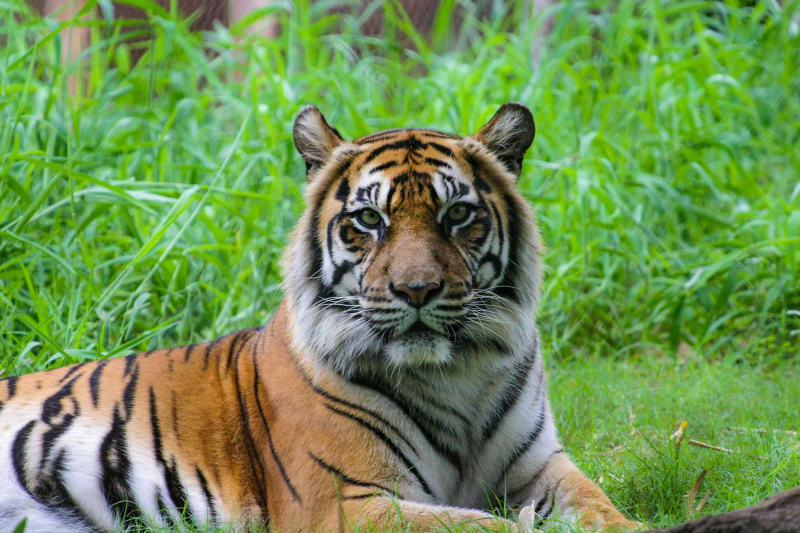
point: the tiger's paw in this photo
(628, 526)
(618, 525)
(527, 520)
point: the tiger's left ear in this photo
(508, 135)
(314, 138)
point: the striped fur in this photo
(400, 382)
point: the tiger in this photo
(400, 383)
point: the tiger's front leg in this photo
(563, 494)
(383, 513)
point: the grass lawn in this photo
(152, 208)
(616, 418)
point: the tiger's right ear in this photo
(314, 138)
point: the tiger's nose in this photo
(416, 294)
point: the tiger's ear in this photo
(508, 135)
(314, 138)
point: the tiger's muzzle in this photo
(417, 286)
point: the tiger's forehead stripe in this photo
(423, 159)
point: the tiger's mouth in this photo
(419, 328)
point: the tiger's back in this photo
(97, 445)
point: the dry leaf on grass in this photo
(690, 510)
(702, 503)
(708, 446)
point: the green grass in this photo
(616, 418)
(152, 210)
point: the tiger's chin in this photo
(419, 348)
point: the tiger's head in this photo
(415, 248)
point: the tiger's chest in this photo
(463, 428)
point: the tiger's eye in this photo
(458, 212)
(369, 217)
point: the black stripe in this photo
(438, 134)
(59, 498)
(325, 394)
(520, 494)
(50, 492)
(529, 439)
(512, 393)
(340, 272)
(269, 433)
(18, 454)
(52, 408)
(409, 144)
(345, 477)
(475, 165)
(115, 468)
(129, 361)
(441, 149)
(507, 288)
(232, 348)
(174, 402)
(163, 511)
(453, 296)
(548, 501)
(12, 386)
(379, 136)
(382, 135)
(450, 308)
(129, 394)
(365, 194)
(239, 336)
(544, 514)
(188, 350)
(207, 493)
(438, 163)
(207, 354)
(94, 382)
(393, 188)
(314, 274)
(72, 370)
(174, 484)
(386, 440)
(253, 455)
(449, 409)
(420, 418)
(343, 191)
(378, 299)
(383, 166)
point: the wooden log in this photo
(777, 514)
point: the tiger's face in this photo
(416, 248)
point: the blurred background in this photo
(148, 184)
